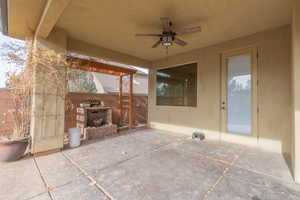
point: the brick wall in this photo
(140, 108)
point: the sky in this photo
(5, 66)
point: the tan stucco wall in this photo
(296, 89)
(274, 93)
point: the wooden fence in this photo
(139, 109)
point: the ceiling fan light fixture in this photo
(167, 44)
(167, 40)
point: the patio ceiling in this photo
(111, 25)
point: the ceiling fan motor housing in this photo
(167, 38)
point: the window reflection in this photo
(239, 94)
(177, 86)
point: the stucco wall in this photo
(296, 90)
(274, 93)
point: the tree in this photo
(13, 54)
(81, 81)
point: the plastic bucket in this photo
(74, 137)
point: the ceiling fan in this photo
(168, 36)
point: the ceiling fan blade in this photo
(166, 23)
(156, 44)
(147, 35)
(188, 30)
(180, 42)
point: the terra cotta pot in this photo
(12, 150)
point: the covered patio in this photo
(236, 81)
(151, 164)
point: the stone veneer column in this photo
(296, 90)
(48, 108)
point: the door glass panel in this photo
(239, 94)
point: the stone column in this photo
(48, 106)
(296, 90)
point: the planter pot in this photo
(12, 150)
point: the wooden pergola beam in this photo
(104, 68)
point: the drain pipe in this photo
(3, 17)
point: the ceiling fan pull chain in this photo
(167, 52)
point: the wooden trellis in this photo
(125, 100)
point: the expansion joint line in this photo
(43, 179)
(212, 188)
(93, 181)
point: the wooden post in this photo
(130, 113)
(120, 100)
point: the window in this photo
(177, 86)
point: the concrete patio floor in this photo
(150, 164)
